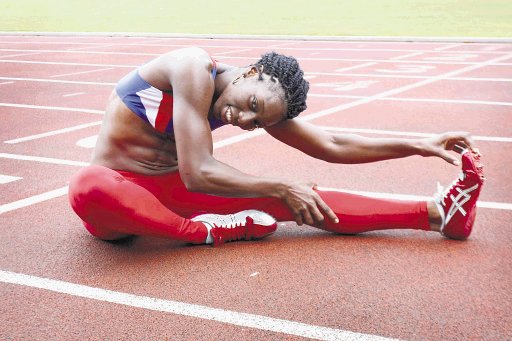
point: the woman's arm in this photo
(201, 172)
(348, 148)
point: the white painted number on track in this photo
(407, 68)
(4, 179)
(87, 142)
(453, 57)
(347, 86)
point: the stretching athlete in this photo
(153, 172)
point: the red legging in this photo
(115, 204)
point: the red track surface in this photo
(401, 284)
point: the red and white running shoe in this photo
(244, 225)
(457, 204)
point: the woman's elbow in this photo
(194, 182)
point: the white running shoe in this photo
(244, 225)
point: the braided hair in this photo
(290, 76)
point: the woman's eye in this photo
(254, 103)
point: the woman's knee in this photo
(104, 233)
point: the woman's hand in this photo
(439, 145)
(306, 205)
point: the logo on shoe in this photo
(458, 201)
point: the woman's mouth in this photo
(229, 115)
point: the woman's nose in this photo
(245, 120)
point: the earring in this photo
(237, 79)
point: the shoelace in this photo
(227, 221)
(232, 229)
(442, 193)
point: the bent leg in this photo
(112, 207)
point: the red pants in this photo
(115, 204)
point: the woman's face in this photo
(250, 103)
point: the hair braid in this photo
(291, 77)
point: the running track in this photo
(57, 282)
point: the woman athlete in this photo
(153, 172)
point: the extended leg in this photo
(356, 213)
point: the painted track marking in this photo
(405, 88)
(186, 309)
(87, 142)
(60, 81)
(54, 132)
(404, 99)
(360, 66)
(74, 94)
(41, 159)
(35, 199)
(45, 107)
(382, 195)
(413, 54)
(81, 72)
(5, 179)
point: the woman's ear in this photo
(253, 70)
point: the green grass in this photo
(444, 18)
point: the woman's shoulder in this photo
(178, 67)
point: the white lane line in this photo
(404, 88)
(234, 51)
(56, 81)
(407, 55)
(389, 74)
(44, 107)
(52, 133)
(43, 160)
(354, 67)
(383, 195)
(446, 101)
(19, 55)
(186, 309)
(5, 179)
(66, 63)
(90, 47)
(73, 94)
(411, 134)
(433, 100)
(384, 61)
(81, 72)
(33, 200)
(308, 75)
(84, 52)
(5, 83)
(238, 138)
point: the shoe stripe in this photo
(457, 203)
